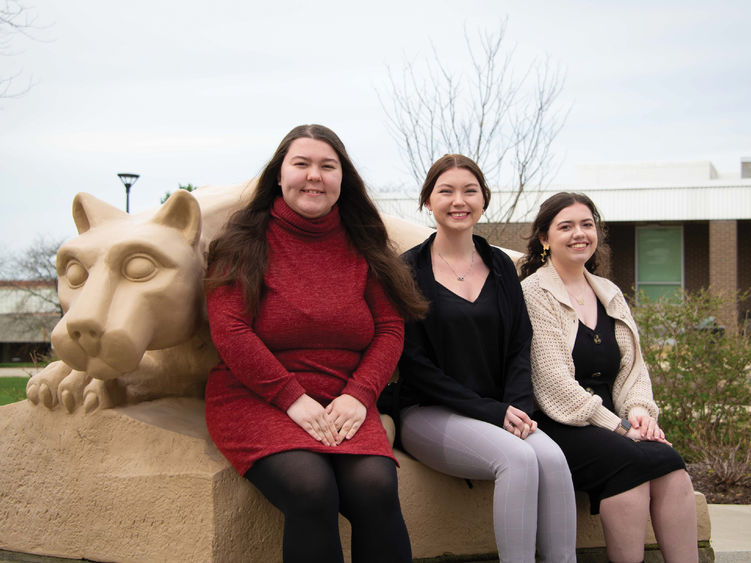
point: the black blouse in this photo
(422, 376)
(597, 357)
(473, 329)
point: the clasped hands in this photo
(644, 427)
(331, 425)
(518, 422)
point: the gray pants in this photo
(533, 500)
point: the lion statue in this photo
(131, 286)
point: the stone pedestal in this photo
(145, 483)
(141, 483)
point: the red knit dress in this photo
(324, 327)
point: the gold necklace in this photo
(465, 274)
(577, 298)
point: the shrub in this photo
(701, 374)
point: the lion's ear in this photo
(88, 212)
(181, 212)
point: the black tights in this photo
(311, 489)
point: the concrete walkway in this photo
(19, 371)
(731, 532)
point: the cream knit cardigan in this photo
(555, 324)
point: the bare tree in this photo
(505, 122)
(33, 272)
(29, 307)
(15, 19)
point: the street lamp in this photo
(128, 180)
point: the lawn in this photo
(12, 389)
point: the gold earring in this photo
(544, 252)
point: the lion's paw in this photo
(42, 387)
(70, 392)
(100, 394)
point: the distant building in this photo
(28, 313)
(671, 225)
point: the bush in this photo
(701, 374)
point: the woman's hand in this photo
(347, 413)
(310, 415)
(518, 422)
(646, 428)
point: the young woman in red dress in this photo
(306, 303)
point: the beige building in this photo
(29, 310)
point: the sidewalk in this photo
(19, 371)
(731, 532)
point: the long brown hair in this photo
(241, 252)
(533, 260)
(449, 162)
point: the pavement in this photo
(731, 523)
(731, 532)
(19, 371)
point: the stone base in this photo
(145, 483)
(141, 483)
(450, 522)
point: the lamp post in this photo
(128, 180)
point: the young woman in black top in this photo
(466, 392)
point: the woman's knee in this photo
(318, 490)
(528, 455)
(371, 486)
(517, 461)
(551, 457)
(375, 477)
(676, 482)
(683, 479)
(313, 492)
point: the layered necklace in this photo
(460, 277)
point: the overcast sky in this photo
(182, 91)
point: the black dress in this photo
(602, 462)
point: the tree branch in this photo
(507, 123)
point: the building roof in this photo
(665, 191)
(691, 191)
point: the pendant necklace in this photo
(578, 298)
(465, 274)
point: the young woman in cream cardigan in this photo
(593, 389)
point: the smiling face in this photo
(572, 236)
(456, 200)
(310, 177)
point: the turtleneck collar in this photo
(294, 222)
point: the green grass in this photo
(12, 389)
